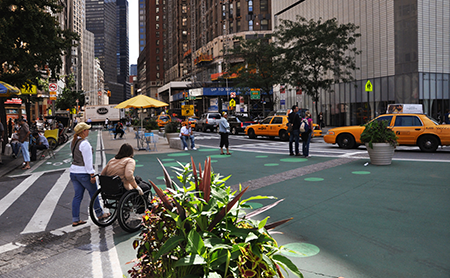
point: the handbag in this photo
(8, 149)
(290, 127)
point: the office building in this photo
(101, 20)
(405, 48)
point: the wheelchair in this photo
(125, 205)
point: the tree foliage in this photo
(255, 65)
(317, 54)
(68, 98)
(31, 40)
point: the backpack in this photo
(304, 126)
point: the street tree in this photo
(317, 54)
(252, 63)
(32, 42)
(68, 98)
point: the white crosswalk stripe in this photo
(42, 216)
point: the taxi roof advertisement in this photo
(404, 108)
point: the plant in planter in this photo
(151, 124)
(199, 229)
(380, 142)
(172, 127)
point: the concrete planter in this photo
(172, 135)
(381, 154)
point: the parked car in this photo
(272, 126)
(412, 130)
(208, 121)
(239, 123)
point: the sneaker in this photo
(291, 154)
(185, 149)
(194, 148)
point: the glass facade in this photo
(405, 48)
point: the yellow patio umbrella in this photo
(141, 101)
(7, 90)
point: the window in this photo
(266, 120)
(157, 58)
(157, 50)
(157, 42)
(407, 121)
(157, 66)
(231, 10)
(157, 26)
(157, 34)
(250, 6)
(184, 8)
(264, 24)
(238, 8)
(157, 18)
(231, 27)
(385, 118)
(277, 120)
(223, 11)
(157, 75)
(157, 2)
(157, 9)
(185, 47)
(238, 26)
(184, 21)
(264, 5)
(184, 33)
(250, 25)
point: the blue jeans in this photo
(294, 136)
(183, 139)
(306, 138)
(16, 148)
(25, 152)
(80, 183)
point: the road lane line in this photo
(12, 196)
(43, 214)
(96, 258)
(112, 253)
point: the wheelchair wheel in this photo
(107, 205)
(132, 208)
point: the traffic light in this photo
(109, 93)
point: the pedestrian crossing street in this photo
(40, 203)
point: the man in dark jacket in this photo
(294, 119)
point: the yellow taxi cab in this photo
(272, 126)
(412, 129)
(275, 126)
(163, 119)
(192, 120)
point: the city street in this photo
(349, 220)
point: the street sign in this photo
(187, 110)
(52, 87)
(255, 94)
(369, 86)
(232, 103)
(233, 94)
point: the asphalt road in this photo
(317, 148)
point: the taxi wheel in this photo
(284, 136)
(428, 143)
(346, 141)
(251, 134)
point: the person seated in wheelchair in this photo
(123, 165)
(41, 143)
(118, 130)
